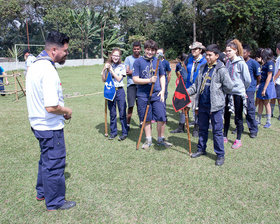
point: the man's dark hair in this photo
(258, 52)
(26, 51)
(278, 46)
(57, 38)
(213, 48)
(182, 56)
(266, 55)
(151, 44)
(247, 47)
(136, 44)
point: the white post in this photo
(16, 57)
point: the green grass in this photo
(113, 183)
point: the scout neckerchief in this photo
(151, 72)
(194, 66)
(206, 77)
(44, 56)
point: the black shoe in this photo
(128, 127)
(180, 129)
(112, 137)
(198, 154)
(253, 135)
(121, 138)
(220, 161)
(67, 205)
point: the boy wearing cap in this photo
(143, 75)
(212, 83)
(192, 64)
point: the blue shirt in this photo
(189, 64)
(204, 98)
(166, 68)
(141, 68)
(1, 72)
(255, 71)
(267, 67)
(183, 72)
(129, 61)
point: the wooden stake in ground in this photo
(188, 129)
(148, 105)
(106, 105)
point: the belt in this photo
(117, 88)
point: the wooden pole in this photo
(188, 129)
(16, 86)
(106, 105)
(147, 108)
(20, 86)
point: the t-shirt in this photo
(129, 61)
(189, 64)
(120, 71)
(277, 67)
(43, 89)
(267, 67)
(1, 72)
(183, 72)
(255, 71)
(166, 68)
(204, 98)
(141, 68)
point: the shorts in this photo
(192, 104)
(277, 89)
(157, 110)
(131, 95)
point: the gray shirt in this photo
(129, 61)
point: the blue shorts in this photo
(157, 110)
(277, 89)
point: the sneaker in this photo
(146, 145)
(225, 140)
(164, 143)
(65, 206)
(40, 199)
(237, 144)
(267, 125)
(122, 137)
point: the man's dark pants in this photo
(51, 180)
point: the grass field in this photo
(113, 183)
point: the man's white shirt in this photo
(43, 89)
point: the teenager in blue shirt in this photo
(255, 72)
(2, 72)
(131, 87)
(143, 75)
(189, 71)
(210, 87)
(118, 71)
(266, 89)
(167, 71)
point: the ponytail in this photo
(236, 45)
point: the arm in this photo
(141, 81)
(267, 81)
(246, 75)
(276, 76)
(65, 111)
(162, 84)
(168, 76)
(6, 78)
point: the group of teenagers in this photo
(218, 83)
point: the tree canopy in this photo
(95, 26)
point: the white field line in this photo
(75, 96)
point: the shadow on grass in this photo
(67, 175)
